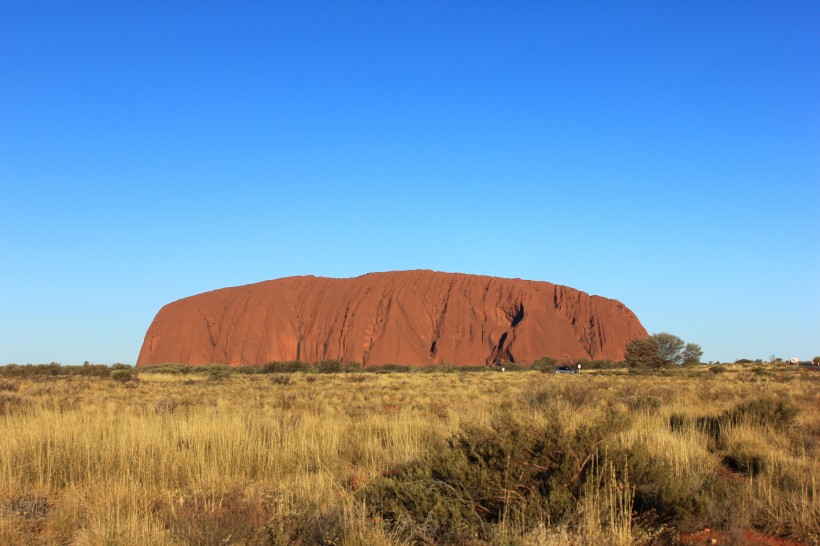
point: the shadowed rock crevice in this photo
(518, 316)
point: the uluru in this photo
(418, 318)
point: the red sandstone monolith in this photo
(419, 318)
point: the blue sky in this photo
(663, 154)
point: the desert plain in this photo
(175, 455)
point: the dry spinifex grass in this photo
(318, 458)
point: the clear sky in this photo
(665, 154)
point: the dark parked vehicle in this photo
(564, 369)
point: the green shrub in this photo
(352, 367)
(744, 459)
(545, 364)
(507, 367)
(12, 403)
(311, 525)
(761, 412)
(54, 369)
(92, 370)
(484, 476)
(599, 364)
(27, 506)
(8, 386)
(285, 401)
(329, 366)
(386, 368)
(577, 393)
(764, 411)
(280, 379)
(447, 367)
(677, 422)
(643, 403)
(538, 399)
(171, 369)
(166, 404)
(122, 375)
(217, 373)
(289, 367)
(712, 427)
(658, 492)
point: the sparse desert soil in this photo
(412, 458)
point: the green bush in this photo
(289, 367)
(643, 403)
(166, 404)
(658, 492)
(599, 364)
(578, 394)
(677, 422)
(764, 411)
(484, 476)
(217, 373)
(54, 369)
(386, 368)
(312, 525)
(246, 369)
(712, 426)
(744, 459)
(122, 375)
(329, 366)
(280, 379)
(545, 364)
(171, 369)
(539, 399)
(12, 403)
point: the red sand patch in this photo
(750, 538)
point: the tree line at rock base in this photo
(661, 350)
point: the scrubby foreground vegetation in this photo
(608, 457)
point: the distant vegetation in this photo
(334, 454)
(662, 349)
(123, 371)
(326, 367)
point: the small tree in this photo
(122, 376)
(544, 364)
(692, 353)
(816, 360)
(670, 347)
(673, 350)
(643, 353)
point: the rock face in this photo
(403, 317)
